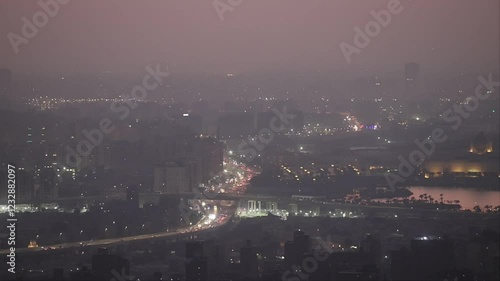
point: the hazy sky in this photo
(126, 35)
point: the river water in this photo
(469, 197)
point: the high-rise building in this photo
(236, 125)
(197, 269)
(216, 258)
(301, 240)
(427, 259)
(248, 261)
(371, 245)
(194, 249)
(205, 259)
(24, 184)
(192, 121)
(106, 266)
(196, 262)
(167, 213)
(294, 250)
(212, 156)
(172, 178)
(133, 196)
(47, 185)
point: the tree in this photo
(477, 209)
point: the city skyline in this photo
(246, 140)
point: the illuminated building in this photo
(33, 244)
(479, 162)
(481, 144)
(47, 185)
(467, 168)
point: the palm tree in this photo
(441, 197)
(477, 209)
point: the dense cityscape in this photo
(165, 169)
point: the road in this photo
(106, 242)
(240, 177)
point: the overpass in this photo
(190, 233)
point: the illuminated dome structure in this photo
(481, 144)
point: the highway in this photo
(201, 226)
(235, 187)
(240, 177)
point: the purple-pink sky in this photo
(126, 35)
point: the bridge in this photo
(144, 241)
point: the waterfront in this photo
(468, 197)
